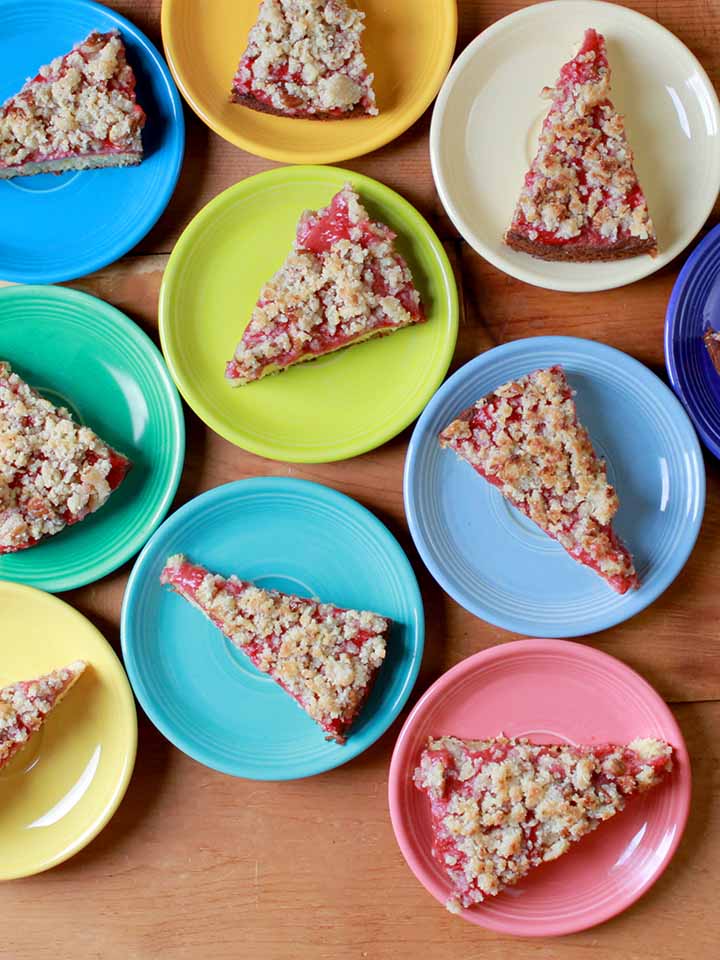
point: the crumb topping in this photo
(81, 103)
(324, 656)
(343, 282)
(304, 58)
(501, 807)
(525, 439)
(582, 183)
(53, 472)
(24, 706)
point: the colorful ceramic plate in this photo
(496, 562)
(337, 406)
(408, 45)
(550, 691)
(290, 535)
(58, 793)
(81, 352)
(489, 112)
(694, 307)
(56, 227)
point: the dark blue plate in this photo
(694, 307)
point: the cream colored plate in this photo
(489, 112)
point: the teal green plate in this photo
(284, 534)
(83, 353)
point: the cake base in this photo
(63, 164)
(245, 100)
(580, 253)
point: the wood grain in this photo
(200, 865)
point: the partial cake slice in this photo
(501, 807)
(53, 472)
(325, 657)
(343, 282)
(304, 59)
(581, 199)
(712, 342)
(79, 112)
(24, 706)
(525, 439)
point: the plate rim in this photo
(504, 263)
(173, 272)
(277, 485)
(399, 764)
(131, 754)
(415, 524)
(93, 263)
(309, 156)
(138, 336)
(693, 264)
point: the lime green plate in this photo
(81, 352)
(337, 406)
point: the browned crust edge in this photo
(347, 346)
(245, 100)
(580, 253)
(464, 416)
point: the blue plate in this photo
(60, 226)
(291, 535)
(496, 562)
(694, 307)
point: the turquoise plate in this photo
(81, 352)
(290, 535)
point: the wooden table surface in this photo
(197, 864)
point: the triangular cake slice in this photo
(24, 706)
(502, 807)
(525, 439)
(325, 657)
(53, 472)
(304, 59)
(581, 199)
(79, 112)
(344, 282)
(712, 342)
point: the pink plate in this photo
(549, 691)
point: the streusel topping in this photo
(304, 58)
(81, 103)
(526, 439)
(582, 180)
(503, 806)
(343, 282)
(24, 706)
(53, 472)
(324, 656)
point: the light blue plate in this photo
(496, 562)
(60, 226)
(291, 535)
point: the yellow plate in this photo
(408, 46)
(489, 112)
(58, 793)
